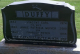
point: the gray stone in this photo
(6, 48)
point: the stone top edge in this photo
(43, 1)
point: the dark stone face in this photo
(39, 22)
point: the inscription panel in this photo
(53, 30)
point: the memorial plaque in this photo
(39, 21)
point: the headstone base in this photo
(37, 49)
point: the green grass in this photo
(75, 3)
(1, 27)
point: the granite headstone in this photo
(39, 21)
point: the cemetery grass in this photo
(76, 3)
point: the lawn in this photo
(76, 3)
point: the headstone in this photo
(39, 21)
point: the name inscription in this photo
(37, 14)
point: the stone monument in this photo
(39, 22)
